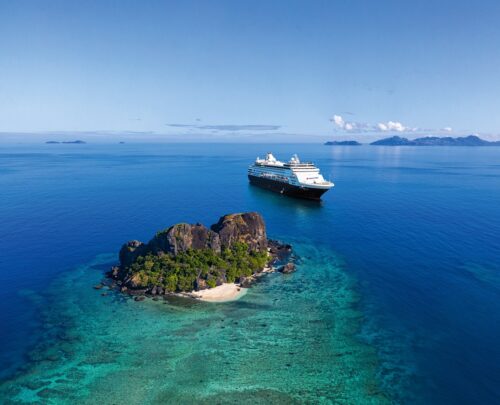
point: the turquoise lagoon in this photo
(285, 341)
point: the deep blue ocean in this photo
(396, 298)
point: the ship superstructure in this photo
(294, 178)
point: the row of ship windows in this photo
(280, 168)
(270, 176)
(270, 171)
(281, 173)
(257, 170)
(287, 166)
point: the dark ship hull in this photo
(288, 189)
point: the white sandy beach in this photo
(221, 293)
(227, 291)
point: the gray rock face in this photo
(248, 227)
(281, 251)
(131, 251)
(246, 282)
(181, 237)
(287, 268)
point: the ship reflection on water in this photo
(286, 203)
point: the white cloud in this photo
(447, 129)
(362, 127)
(395, 126)
(338, 121)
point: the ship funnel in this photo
(270, 157)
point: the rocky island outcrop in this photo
(342, 143)
(192, 257)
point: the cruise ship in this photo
(293, 178)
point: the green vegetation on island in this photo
(184, 271)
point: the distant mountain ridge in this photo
(345, 143)
(471, 140)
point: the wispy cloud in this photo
(229, 127)
(241, 127)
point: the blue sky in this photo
(250, 70)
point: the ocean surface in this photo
(396, 298)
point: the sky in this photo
(249, 70)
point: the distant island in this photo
(343, 143)
(56, 142)
(192, 260)
(470, 140)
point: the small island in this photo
(78, 142)
(343, 143)
(471, 140)
(192, 260)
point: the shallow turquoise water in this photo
(395, 298)
(285, 341)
